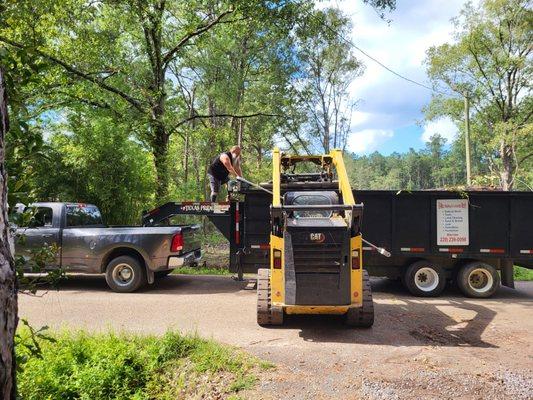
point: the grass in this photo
(522, 274)
(202, 271)
(109, 366)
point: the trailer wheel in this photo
(125, 274)
(424, 279)
(362, 317)
(266, 313)
(478, 279)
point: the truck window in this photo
(83, 215)
(41, 218)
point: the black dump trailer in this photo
(472, 238)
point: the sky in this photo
(389, 114)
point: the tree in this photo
(490, 62)
(241, 79)
(118, 54)
(8, 290)
(185, 73)
(95, 160)
(328, 68)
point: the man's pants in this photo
(214, 184)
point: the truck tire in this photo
(162, 274)
(125, 274)
(362, 317)
(424, 279)
(478, 279)
(266, 313)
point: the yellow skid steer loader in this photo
(316, 264)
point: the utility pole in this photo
(467, 141)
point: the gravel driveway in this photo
(448, 347)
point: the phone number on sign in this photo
(453, 240)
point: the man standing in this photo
(221, 167)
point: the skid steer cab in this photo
(316, 264)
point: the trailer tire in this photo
(125, 274)
(424, 279)
(362, 317)
(478, 279)
(267, 314)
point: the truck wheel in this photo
(162, 274)
(362, 317)
(424, 279)
(125, 274)
(478, 279)
(266, 313)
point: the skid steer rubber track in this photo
(266, 313)
(362, 317)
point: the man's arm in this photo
(227, 163)
(237, 167)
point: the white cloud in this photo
(442, 126)
(368, 140)
(387, 102)
(359, 117)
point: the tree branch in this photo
(524, 158)
(74, 71)
(196, 116)
(184, 40)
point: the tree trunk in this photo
(160, 150)
(186, 158)
(196, 167)
(186, 146)
(8, 286)
(240, 131)
(506, 173)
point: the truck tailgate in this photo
(191, 237)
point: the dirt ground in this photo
(449, 347)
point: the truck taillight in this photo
(355, 259)
(177, 243)
(277, 259)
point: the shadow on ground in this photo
(404, 320)
(406, 324)
(170, 285)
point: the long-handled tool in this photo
(240, 178)
(380, 250)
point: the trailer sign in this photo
(452, 222)
(204, 207)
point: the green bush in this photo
(522, 274)
(109, 366)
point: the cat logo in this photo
(317, 237)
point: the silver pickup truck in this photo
(128, 256)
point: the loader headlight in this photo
(277, 259)
(356, 260)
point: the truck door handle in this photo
(47, 236)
